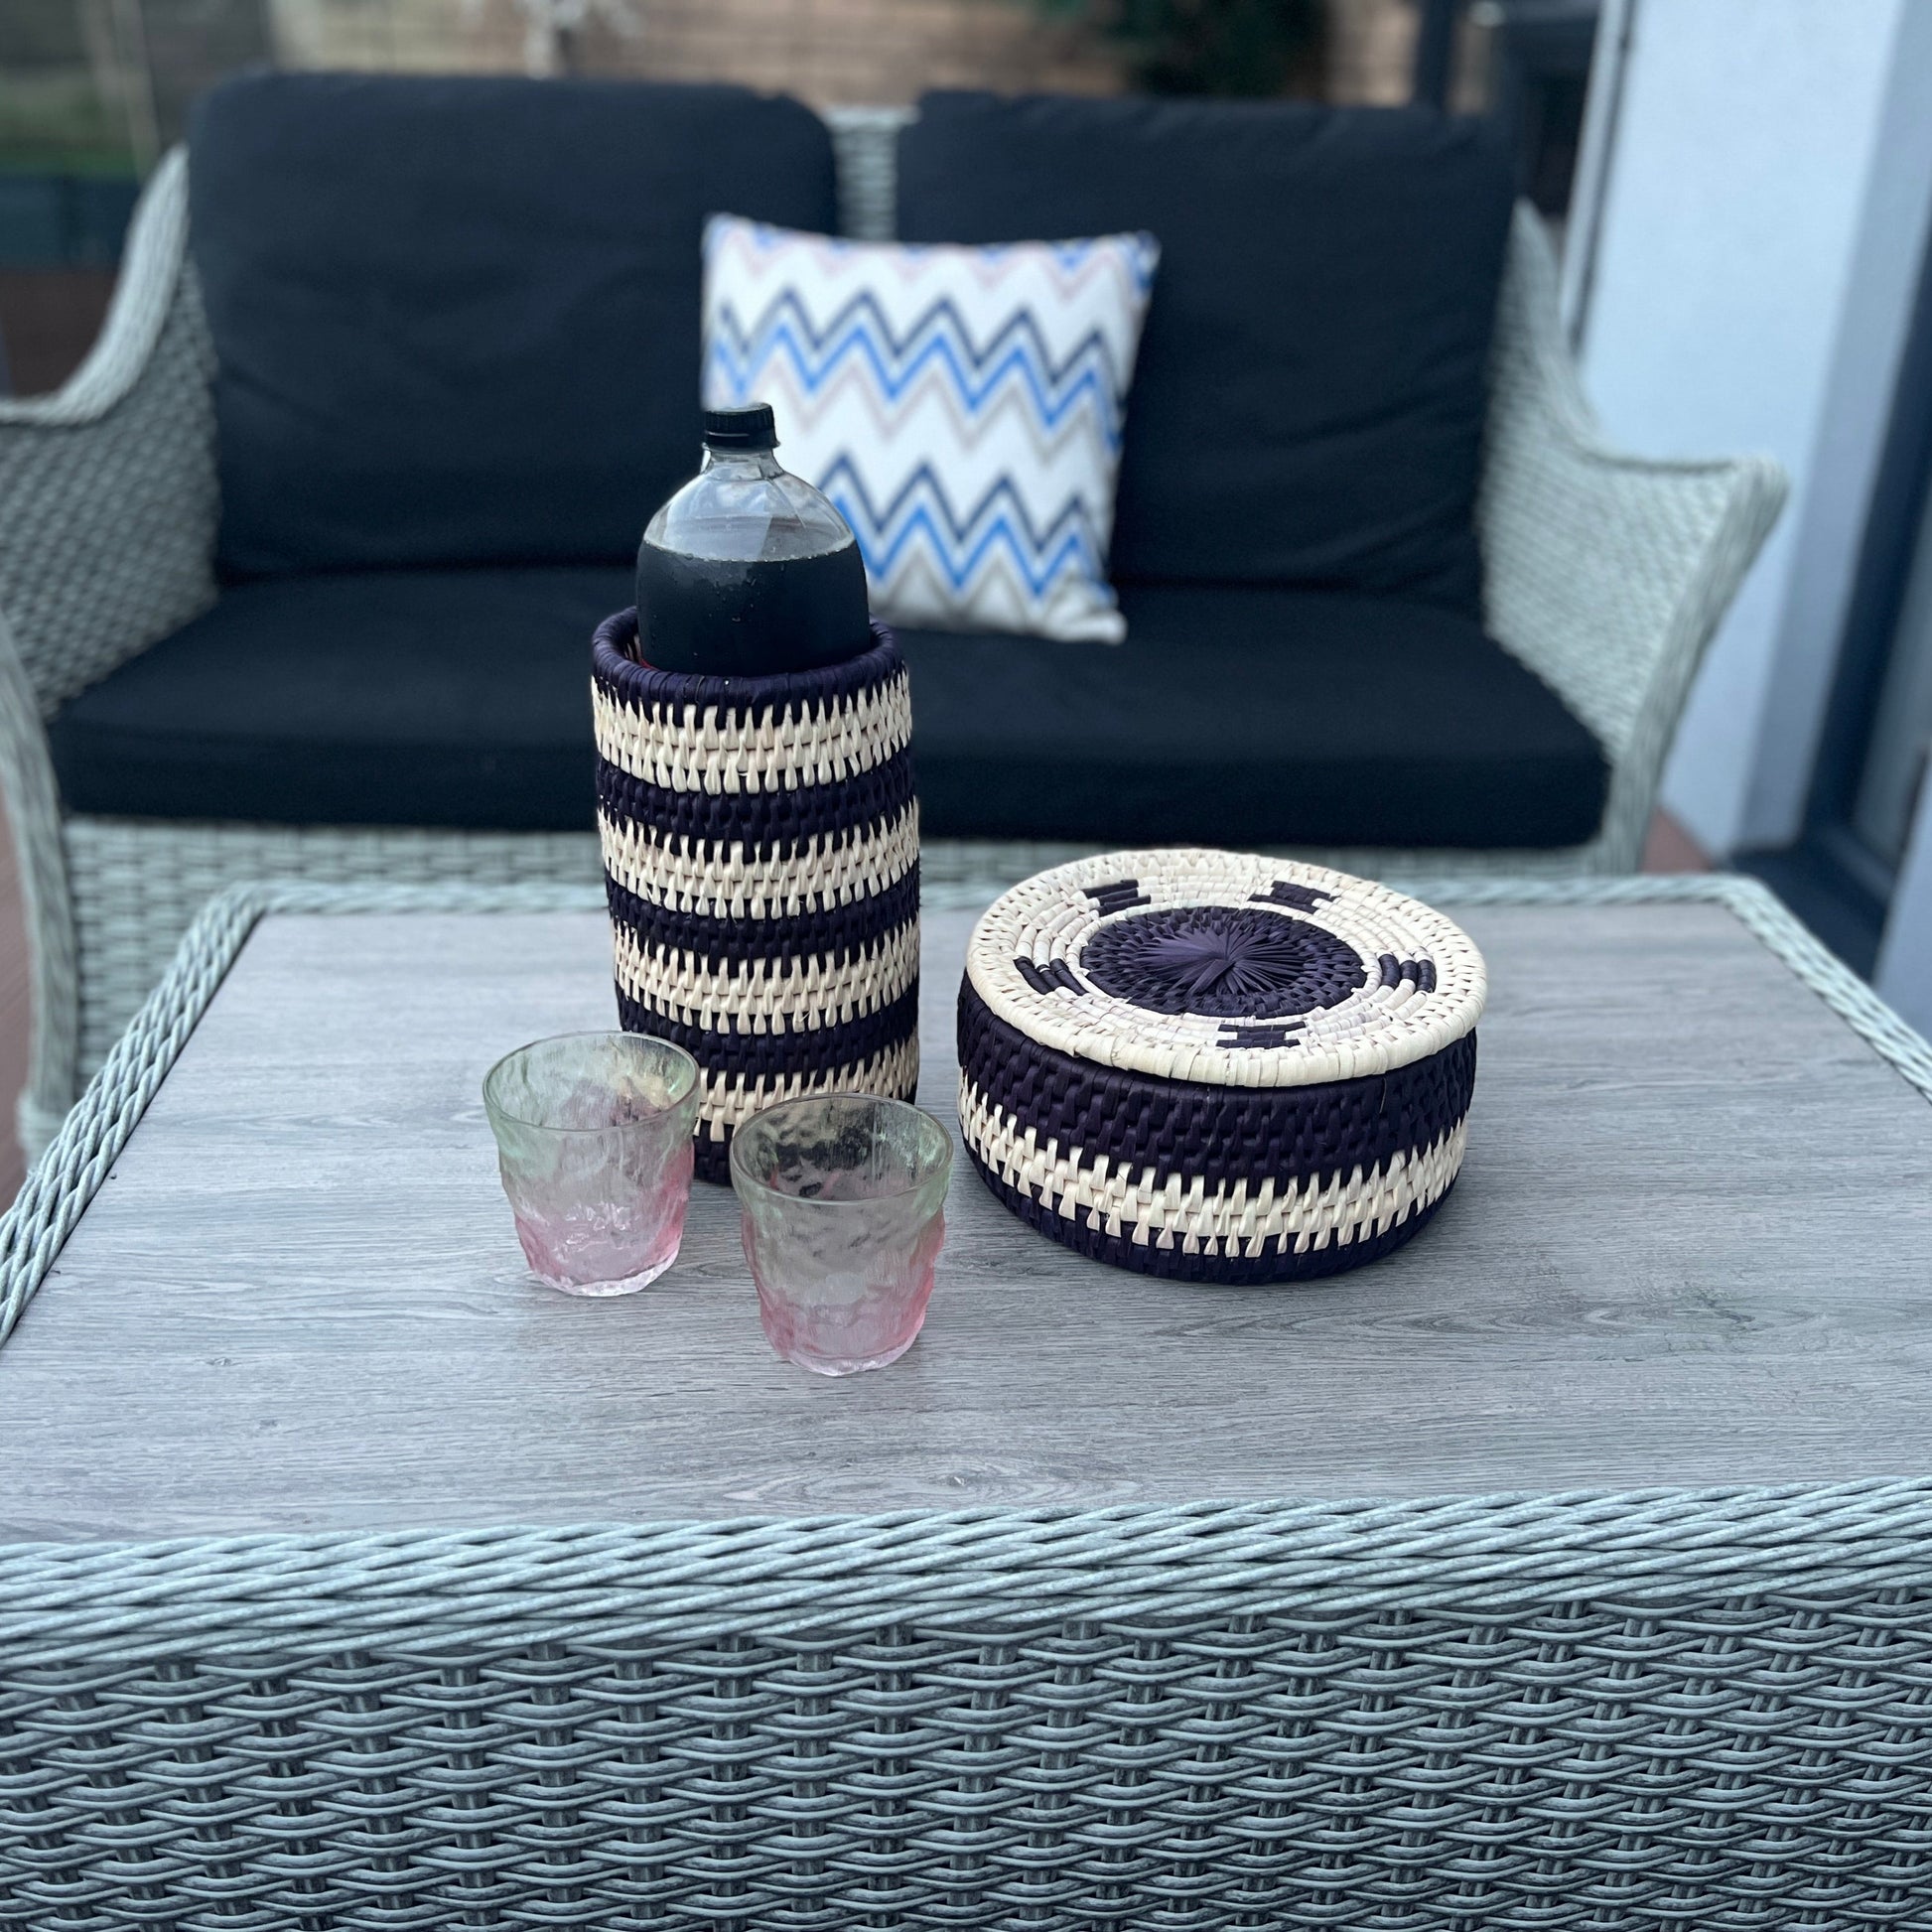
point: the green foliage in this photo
(54, 118)
(1256, 48)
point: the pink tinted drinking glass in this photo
(593, 1139)
(843, 1198)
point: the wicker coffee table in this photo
(1573, 1563)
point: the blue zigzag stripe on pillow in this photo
(963, 407)
(939, 337)
(921, 515)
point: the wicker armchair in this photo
(1606, 575)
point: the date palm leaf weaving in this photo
(760, 843)
(1217, 1067)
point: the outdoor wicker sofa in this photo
(1603, 573)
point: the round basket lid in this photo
(1225, 968)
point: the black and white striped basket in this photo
(761, 861)
(1217, 1067)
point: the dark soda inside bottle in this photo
(748, 569)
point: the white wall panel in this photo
(1731, 214)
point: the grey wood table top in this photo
(1692, 1244)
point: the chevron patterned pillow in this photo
(962, 406)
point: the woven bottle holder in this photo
(1217, 1067)
(761, 861)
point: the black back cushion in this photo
(1309, 401)
(455, 321)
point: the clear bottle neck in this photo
(741, 466)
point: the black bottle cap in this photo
(749, 428)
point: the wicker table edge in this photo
(618, 1586)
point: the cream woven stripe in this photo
(728, 1102)
(1233, 1221)
(698, 877)
(821, 991)
(772, 753)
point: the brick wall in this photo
(826, 51)
(1371, 50)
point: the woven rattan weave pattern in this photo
(1217, 1066)
(1641, 1713)
(1570, 1714)
(761, 854)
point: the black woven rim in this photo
(1220, 1135)
(813, 1050)
(768, 824)
(841, 932)
(645, 688)
(1281, 1264)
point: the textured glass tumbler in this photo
(843, 1198)
(593, 1139)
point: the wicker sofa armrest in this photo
(1606, 573)
(107, 489)
(33, 806)
(107, 513)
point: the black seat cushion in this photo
(455, 320)
(1309, 400)
(457, 698)
(1250, 716)
(1234, 716)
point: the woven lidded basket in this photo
(1217, 1067)
(761, 861)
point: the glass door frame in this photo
(1831, 876)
